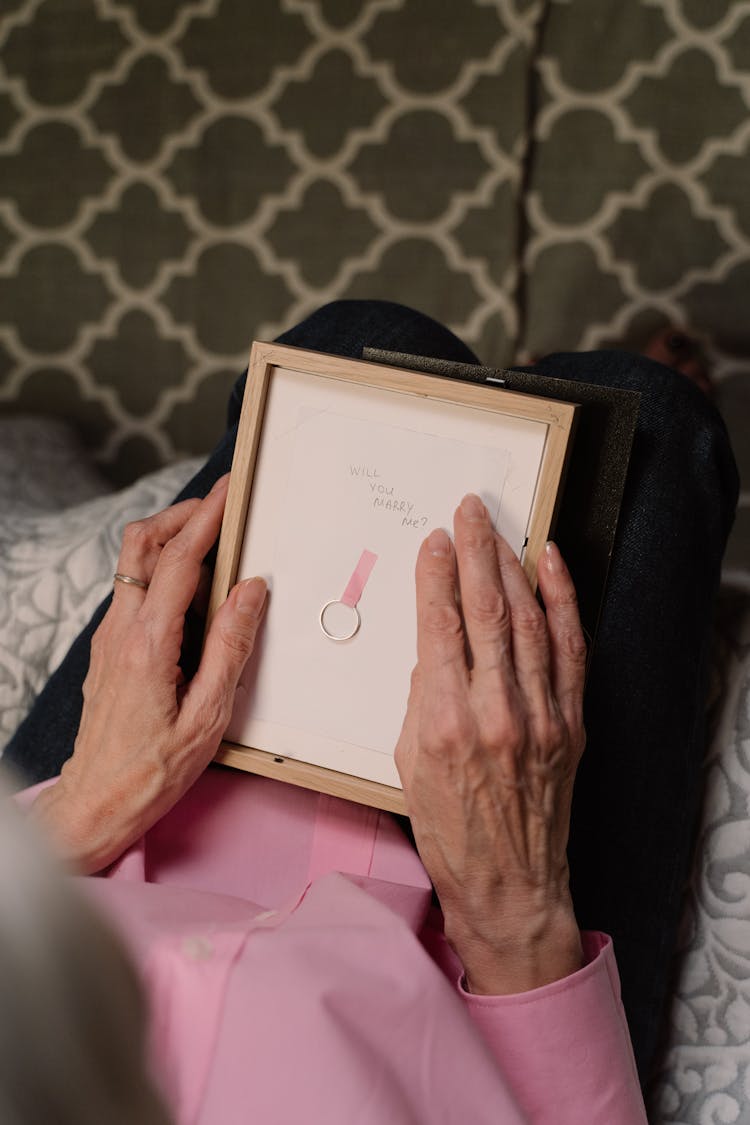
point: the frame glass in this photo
(341, 468)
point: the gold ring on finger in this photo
(127, 580)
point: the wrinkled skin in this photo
(487, 755)
(489, 749)
(145, 735)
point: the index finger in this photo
(178, 568)
(483, 597)
(440, 634)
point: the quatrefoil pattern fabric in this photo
(177, 178)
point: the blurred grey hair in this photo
(72, 1017)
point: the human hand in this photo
(145, 734)
(489, 749)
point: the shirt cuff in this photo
(569, 1036)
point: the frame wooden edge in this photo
(546, 500)
(240, 481)
(539, 408)
(318, 778)
(559, 418)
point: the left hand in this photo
(146, 735)
(489, 749)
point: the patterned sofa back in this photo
(177, 179)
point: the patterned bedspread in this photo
(60, 530)
(705, 1073)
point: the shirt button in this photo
(197, 948)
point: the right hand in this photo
(489, 749)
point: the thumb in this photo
(229, 642)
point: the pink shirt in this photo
(297, 973)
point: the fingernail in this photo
(221, 483)
(252, 593)
(553, 558)
(438, 542)
(472, 508)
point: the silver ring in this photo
(128, 581)
(357, 621)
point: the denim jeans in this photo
(638, 789)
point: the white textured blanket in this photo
(60, 531)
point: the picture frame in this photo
(596, 469)
(341, 468)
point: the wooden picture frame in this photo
(334, 455)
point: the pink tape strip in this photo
(356, 583)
